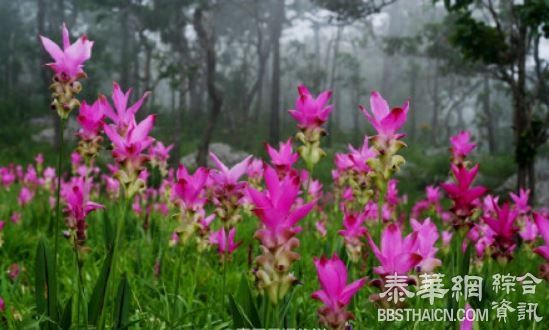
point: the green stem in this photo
(177, 281)
(111, 284)
(58, 208)
(380, 202)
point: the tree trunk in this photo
(414, 70)
(124, 52)
(436, 106)
(207, 42)
(276, 31)
(333, 81)
(486, 106)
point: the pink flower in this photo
(274, 208)
(39, 159)
(224, 176)
(385, 121)
(15, 217)
(77, 205)
(433, 195)
(461, 145)
(446, 238)
(190, 189)
(2, 224)
(90, 119)
(310, 112)
(284, 158)
(68, 62)
(359, 157)
(461, 192)
(124, 116)
(320, 227)
(467, 323)
(529, 230)
(504, 228)
(335, 293)
(255, 170)
(396, 254)
(2, 305)
(521, 201)
(7, 177)
(543, 227)
(25, 196)
(427, 236)
(14, 271)
(129, 148)
(225, 244)
(160, 153)
(354, 229)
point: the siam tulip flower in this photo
(543, 227)
(31, 177)
(225, 243)
(255, 172)
(277, 210)
(39, 159)
(353, 232)
(335, 293)
(466, 324)
(49, 177)
(395, 254)
(25, 196)
(68, 62)
(320, 227)
(15, 217)
(482, 236)
(427, 236)
(112, 186)
(311, 113)
(228, 191)
(68, 67)
(7, 177)
(13, 271)
(91, 121)
(521, 201)
(461, 146)
(386, 122)
(284, 158)
(189, 189)
(446, 238)
(159, 155)
(505, 231)
(529, 230)
(391, 196)
(463, 195)
(433, 195)
(189, 194)
(77, 207)
(129, 151)
(122, 116)
(2, 305)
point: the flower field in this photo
(112, 236)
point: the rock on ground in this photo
(224, 152)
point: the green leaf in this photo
(244, 296)
(122, 304)
(46, 295)
(97, 300)
(109, 232)
(240, 320)
(66, 318)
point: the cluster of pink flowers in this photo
(277, 208)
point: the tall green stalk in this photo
(58, 208)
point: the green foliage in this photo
(477, 40)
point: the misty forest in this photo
(277, 164)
